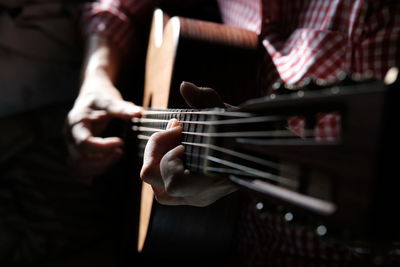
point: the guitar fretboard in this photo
(210, 138)
(196, 128)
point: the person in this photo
(312, 38)
(47, 212)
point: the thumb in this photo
(119, 108)
(200, 97)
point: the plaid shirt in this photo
(304, 38)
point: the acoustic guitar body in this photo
(211, 55)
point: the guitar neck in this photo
(211, 135)
(256, 149)
(197, 124)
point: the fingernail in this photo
(172, 122)
(175, 128)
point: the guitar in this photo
(175, 54)
(342, 185)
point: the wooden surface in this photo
(207, 54)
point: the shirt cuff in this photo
(109, 21)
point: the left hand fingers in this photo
(200, 97)
(172, 172)
(164, 198)
(157, 146)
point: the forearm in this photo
(101, 63)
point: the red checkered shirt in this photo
(304, 38)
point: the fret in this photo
(155, 120)
(188, 138)
(212, 140)
(269, 128)
(203, 129)
(196, 150)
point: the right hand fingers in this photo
(86, 145)
(90, 116)
(118, 108)
(92, 107)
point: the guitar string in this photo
(235, 121)
(273, 165)
(221, 112)
(235, 167)
(266, 175)
(228, 151)
(225, 171)
(246, 169)
(274, 133)
(217, 122)
(222, 170)
(242, 170)
(235, 154)
(280, 167)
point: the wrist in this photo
(97, 78)
(101, 61)
(98, 71)
(97, 85)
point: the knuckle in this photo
(173, 186)
(151, 176)
(145, 174)
(171, 171)
(73, 117)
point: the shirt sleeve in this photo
(378, 47)
(118, 20)
(114, 19)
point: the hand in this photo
(163, 168)
(98, 103)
